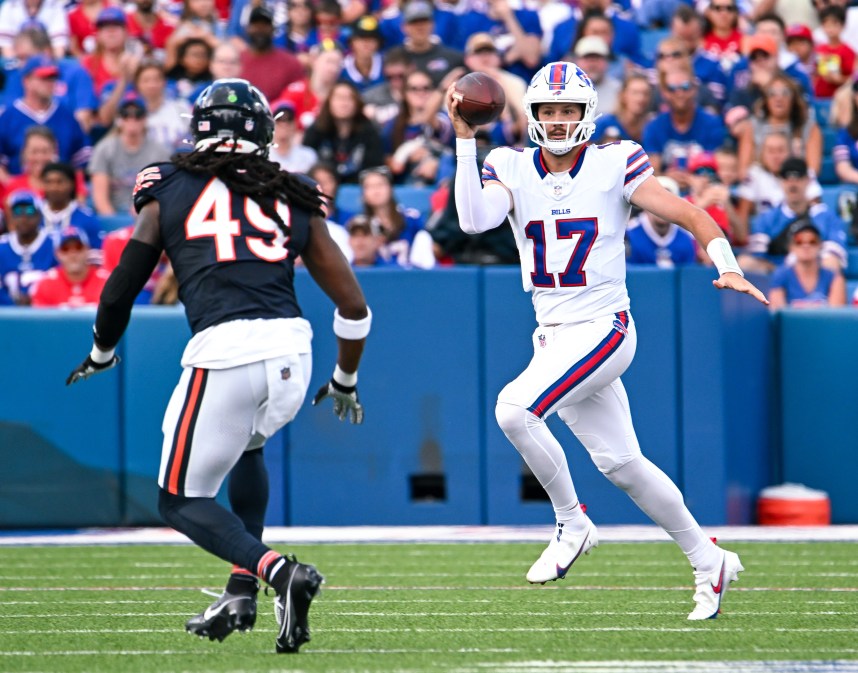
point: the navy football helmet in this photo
(235, 110)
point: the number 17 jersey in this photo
(570, 227)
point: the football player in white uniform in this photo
(568, 203)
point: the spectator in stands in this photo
(425, 52)
(784, 109)
(684, 130)
(343, 136)
(722, 38)
(591, 53)
(835, 61)
(328, 182)
(625, 41)
(846, 146)
(631, 113)
(225, 63)
(166, 117)
(300, 24)
(445, 21)
(686, 27)
(192, 71)
(75, 282)
(309, 94)
(366, 242)
(770, 232)
(239, 17)
(420, 135)
(329, 24)
(672, 53)
(60, 207)
(597, 25)
(709, 193)
(15, 15)
(152, 25)
(270, 69)
(773, 25)
(82, 26)
(516, 29)
(74, 87)
(119, 156)
(799, 41)
(109, 60)
(286, 150)
(761, 189)
(199, 20)
(653, 241)
(26, 252)
(805, 283)
(791, 11)
(363, 65)
(850, 30)
(37, 106)
(383, 100)
(40, 148)
(404, 238)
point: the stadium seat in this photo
(827, 175)
(822, 108)
(829, 137)
(830, 195)
(650, 39)
(348, 198)
(851, 288)
(114, 222)
(852, 264)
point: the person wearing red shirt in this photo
(149, 26)
(270, 69)
(723, 40)
(82, 26)
(835, 62)
(75, 282)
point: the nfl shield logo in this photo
(558, 189)
(541, 338)
(285, 374)
(248, 125)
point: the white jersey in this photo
(570, 227)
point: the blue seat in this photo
(829, 138)
(114, 222)
(852, 264)
(822, 109)
(349, 199)
(851, 289)
(650, 39)
(830, 195)
(827, 174)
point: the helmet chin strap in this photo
(228, 145)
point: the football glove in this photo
(89, 367)
(345, 398)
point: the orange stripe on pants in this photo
(181, 443)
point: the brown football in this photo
(481, 98)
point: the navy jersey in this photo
(231, 260)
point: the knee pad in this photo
(512, 419)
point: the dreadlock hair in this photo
(253, 175)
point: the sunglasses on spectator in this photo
(71, 246)
(419, 89)
(813, 241)
(669, 54)
(759, 55)
(723, 8)
(706, 171)
(780, 91)
(685, 86)
(24, 209)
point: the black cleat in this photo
(228, 613)
(291, 606)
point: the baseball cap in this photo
(261, 13)
(22, 197)
(364, 223)
(799, 31)
(804, 224)
(366, 26)
(283, 109)
(111, 16)
(40, 66)
(794, 167)
(129, 100)
(760, 42)
(702, 160)
(417, 10)
(72, 234)
(590, 45)
(479, 41)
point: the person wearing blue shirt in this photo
(684, 130)
(768, 243)
(363, 67)
(60, 209)
(805, 283)
(626, 42)
(366, 241)
(26, 253)
(653, 241)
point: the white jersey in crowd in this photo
(570, 227)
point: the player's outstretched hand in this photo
(460, 126)
(345, 398)
(733, 281)
(89, 367)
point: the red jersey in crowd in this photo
(839, 59)
(56, 290)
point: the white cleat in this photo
(563, 550)
(712, 586)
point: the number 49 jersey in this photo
(570, 227)
(232, 261)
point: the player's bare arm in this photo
(138, 260)
(352, 319)
(654, 198)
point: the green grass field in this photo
(432, 607)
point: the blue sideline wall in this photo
(444, 343)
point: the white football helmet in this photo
(561, 82)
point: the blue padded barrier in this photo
(349, 199)
(113, 222)
(819, 374)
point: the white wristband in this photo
(722, 256)
(99, 356)
(352, 329)
(466, 147)
(344, 379)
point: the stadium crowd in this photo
(749, 109)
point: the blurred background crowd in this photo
(748, 108)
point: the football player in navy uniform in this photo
(232, 223)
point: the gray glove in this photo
(89, 367)
(345, 398)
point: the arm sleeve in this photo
(477, 213)
(128, 278)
